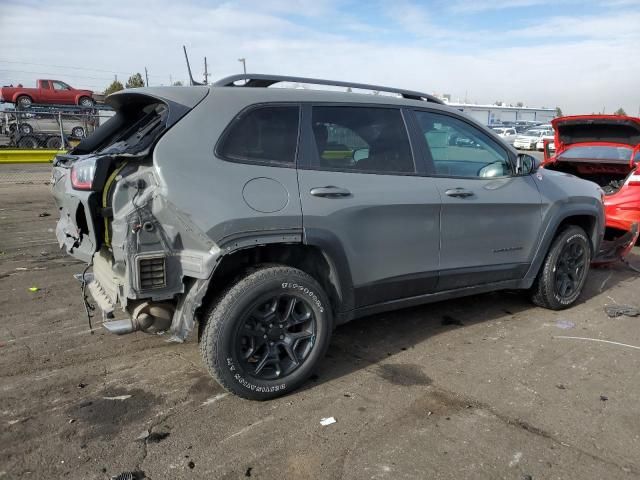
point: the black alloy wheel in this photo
(264, 336)
(275, 337)
(564, 270)
(570, 268)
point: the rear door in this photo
(364, 200)
(490, 219)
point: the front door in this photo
(490, 217)
(363, 198)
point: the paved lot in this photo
(485, 387)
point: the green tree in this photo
(520, 104)
(115, 86)
(135, 81)
(620, 111)
(558, 112)
(178, 83)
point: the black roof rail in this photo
(261, 80)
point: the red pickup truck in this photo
(49, 92)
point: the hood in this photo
(617, 129)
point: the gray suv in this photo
(267, 216)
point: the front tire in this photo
(564, 271)
(266, 334)
(78, 132)
(86, 102)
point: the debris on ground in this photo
(45, 214)
(565, 324)
(248, 472)
(119, 397)
(191, 465)
(137, 475)
(156, 437)
(614, 311)
(327, 421)
(82, 385)
(21, 269)
(561, 386)
(604, 398)
(33, 289)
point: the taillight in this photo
(82, 174)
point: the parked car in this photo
(604, 149)
(46, 92)
(528, 140)
(541, 143)
(46, 123)
(507, 134)
(219, 207)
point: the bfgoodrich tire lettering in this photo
(264, 335)
(564, 271)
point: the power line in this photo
(69, 67)
(49, 73)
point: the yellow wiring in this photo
(105, 196)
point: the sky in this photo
(580, 55)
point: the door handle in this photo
(330, 192)
(459, 192)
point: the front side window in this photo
(459, 149)
(60, 86)
(362, 139)
(264, 134)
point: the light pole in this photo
(244, 64)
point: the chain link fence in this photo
(48, 129)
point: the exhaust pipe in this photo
(146, 317)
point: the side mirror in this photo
(360, 154)
(549, 148)
(526, 164)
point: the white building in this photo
(490, 114)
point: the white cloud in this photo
(579, 63)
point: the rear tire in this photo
(564, 271)
(28, 142)
(26, 129)
(267, 332)
(23, 101)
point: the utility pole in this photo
(146, 76)
(244, 64)
(206, 72)
(170, 80)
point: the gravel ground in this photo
(484, 387)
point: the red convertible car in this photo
(604, 149)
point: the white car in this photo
(528, 140)
(540, 144)
(507, 133)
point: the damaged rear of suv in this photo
(267, 216)
(112, 212)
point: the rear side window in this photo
(361, 139)
(263, 134)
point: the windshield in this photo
(533, 132)
(598, 152)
